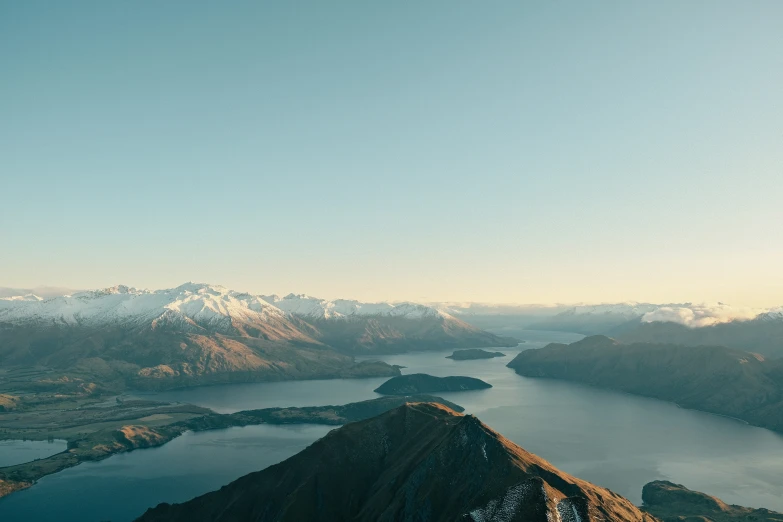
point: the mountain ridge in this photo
(419, 461)
(714, 379)
(207, 334)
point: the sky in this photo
(531, 152)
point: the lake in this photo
(122, 487)
(19, 451)
(615, 440)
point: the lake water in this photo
(618, 441)
(122, 487)
(19, 451)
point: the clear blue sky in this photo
(506, 151)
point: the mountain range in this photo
(752, 330)
(200, 333)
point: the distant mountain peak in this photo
(773, 314)
(298, 296)
(313, 307)
(22, 298)
(192, 303)
(198, 288)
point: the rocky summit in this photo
(421, 462)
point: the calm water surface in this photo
(122, 487)
(19, 451)
(618, 441)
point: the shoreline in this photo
(652, 397)
(124, 438)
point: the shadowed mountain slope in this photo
(420, 462)
(762, 335)
(675, 503)
(715, 379)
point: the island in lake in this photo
(472, 354)
(423, 383)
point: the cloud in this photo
(700, 315)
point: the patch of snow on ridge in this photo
(504, 508)
(567, 511)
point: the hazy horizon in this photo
(309, 260)
(535, 153)
(735, 310)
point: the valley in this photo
(614, 440)
(237, 362)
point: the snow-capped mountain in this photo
(201, 333)
(606, 318)
(216, 307)
(201, 304)
(773, 314)
(313, 307)
(354, 327)
(45, 292)
(20, 298)
(189, 304)
(189, 335)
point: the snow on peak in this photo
(202, 288)
(202, 304)
(22, 298)
(313, 307)
(298, 296)
(199, 303)
(773, 314)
